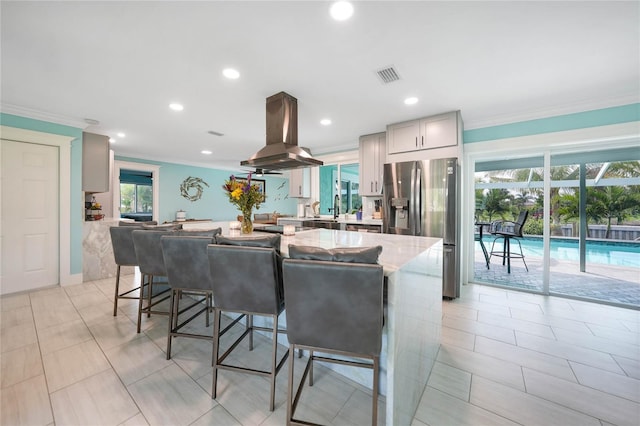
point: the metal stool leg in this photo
(116, 297)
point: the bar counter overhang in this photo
(413, 312)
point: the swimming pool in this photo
(604, 252)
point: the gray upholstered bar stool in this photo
(334, 306)
(246, 279)
(151, 264)
(187, 265)
(125, 255)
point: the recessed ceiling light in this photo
(325, 122)
(176, 107)
(341, 10)
(206, 152)
(411, 101)
(230, 73)
(112, 140)
(121, 135)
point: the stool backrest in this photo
(126, 223)
(149, 251)
(519, 223)
(246, 278)
(211, 233)
(186, 261)
(124, 252)
(334, 305)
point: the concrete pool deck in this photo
(607, 283)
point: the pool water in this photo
(603, 252)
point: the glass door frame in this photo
(548, 144)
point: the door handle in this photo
(371, 186)
(416, 141)
(422, 142)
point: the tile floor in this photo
(506, 358)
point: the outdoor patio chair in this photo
(508, 230)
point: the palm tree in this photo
(617, 203)
(497, 202)
(609, 202)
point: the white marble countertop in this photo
(397, 250)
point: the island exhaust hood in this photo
(282, 150)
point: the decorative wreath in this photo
(191, 183)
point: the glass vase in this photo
(247, 225)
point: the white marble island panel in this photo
(97, 252)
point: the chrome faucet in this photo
(336, 206)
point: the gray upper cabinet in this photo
(372, 154)
(300, 183)
(427, 133)
(95, 163)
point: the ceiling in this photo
(123, 63)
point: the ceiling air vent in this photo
(388, 75)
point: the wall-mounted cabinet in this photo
(95, 163)
(300, 183)
(372, 154)
(437, 131)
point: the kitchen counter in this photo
(413, 312)
(413, 309)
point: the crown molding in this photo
(560, 109)
(43, 116)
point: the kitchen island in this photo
(413, 312)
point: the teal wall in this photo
(76, 201)
(579, 120)
(213, 204)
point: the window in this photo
(136, 193)
(348, 188)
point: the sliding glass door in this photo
(507, 252)
(591, 246)
(596, 226)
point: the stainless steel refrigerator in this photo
(421, 198)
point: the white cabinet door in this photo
(438, 131)
(300, 183)
(403, 137)
(95, 163)
(427, 133)
(372, 151)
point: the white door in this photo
(29, 233)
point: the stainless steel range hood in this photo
(282, 150)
